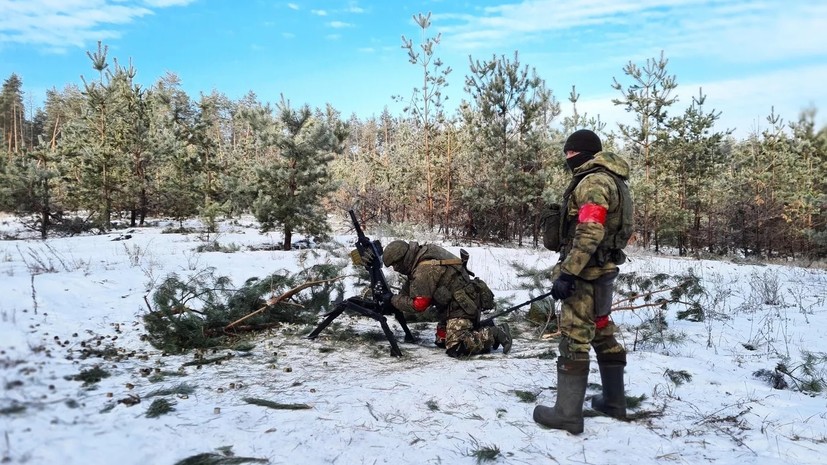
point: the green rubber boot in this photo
(613, 400)
(567, 413)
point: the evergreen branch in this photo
(635, 307)
(638, 296)
(285, 296)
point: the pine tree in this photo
(174, 180)
(807, 208)
(12, 114)
(426, 104)
(26, 188)
(294, 180)
(764, 171)
(693, 154)
(236, 178)
(648, 98)
(510, 112)
(98, 143)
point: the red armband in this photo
(420, 304)
(601, 322)
(592, 213)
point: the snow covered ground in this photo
(66, 294)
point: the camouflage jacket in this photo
(437, 282)
(582, 240)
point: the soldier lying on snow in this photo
(438, 278)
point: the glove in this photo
(367, 257)
(563, 287)
(387, 306)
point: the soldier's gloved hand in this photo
(563, 287)
(387, 306)
(367, 257)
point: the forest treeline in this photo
(108, 151)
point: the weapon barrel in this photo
(509, 310)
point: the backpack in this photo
(475, 298)
(550, 224)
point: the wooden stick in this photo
(285, 296)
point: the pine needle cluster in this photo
(206, 311)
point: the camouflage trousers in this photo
(585, 322)
(463, 339)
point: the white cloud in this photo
(292, 6)
(339, 24)
(167, 3)
(319, 12)
(354, 8)
(57, 25)
(733, 29)
(748, 55)
(744, 103)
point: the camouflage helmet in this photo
(394, 252)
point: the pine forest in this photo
(106, 152)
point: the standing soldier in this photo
(595, 225)
(439, 278)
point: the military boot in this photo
(567, 413)
(613, 400)
(502, 336)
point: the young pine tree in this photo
(293, 180)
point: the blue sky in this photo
(748, 56)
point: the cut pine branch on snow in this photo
(287, 295)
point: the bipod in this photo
(369, 309)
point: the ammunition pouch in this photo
(550, 224)
(442, 296)
(486, 297)
(475, 297)
(466, 303)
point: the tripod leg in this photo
(356, 305)
(369, 309)
(330, 317)
(388, 334)
(400, 317)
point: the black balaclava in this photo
(577, 160)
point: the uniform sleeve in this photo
(402, 302)
(591, 200)
(421, 286)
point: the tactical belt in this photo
(447, 261)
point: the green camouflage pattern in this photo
(598, 188)
(394, 252)
(446, 285)
(461, 331)
(577, 319)
(578, 328)
(439, 282)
